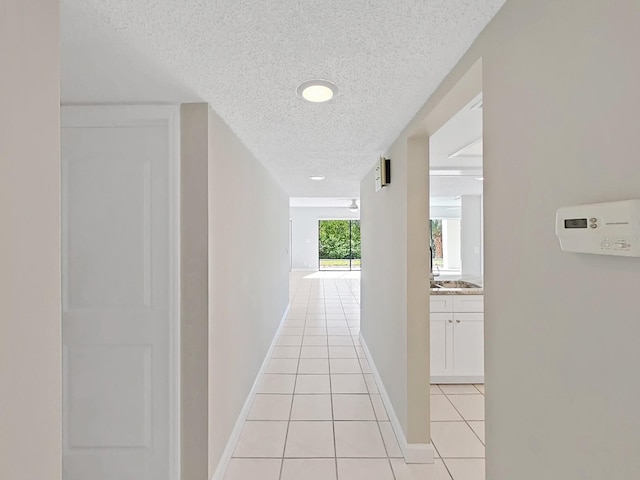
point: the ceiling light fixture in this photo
(354, 206)
(317, 91)
(480, 178)
(317, 177)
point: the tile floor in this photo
(318, 415)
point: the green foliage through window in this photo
(339, 243)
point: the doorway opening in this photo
(339, 245)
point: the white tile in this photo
(364, 364)
(313, 366)
(456, 440)
(458, 389)
(315, 331)
(317, 340)
(295, 323)
(307, 469)
(338, 331)
(286, 352)
(310, 439)
(316, 324)
(478, 427)
(292, 331)
(378, 408)
(354, 330)
(282, 365)
(442, 410)
(340, 340)
(312, 384)
(390, 440)
(311, 407)
(435, 390)
(335, 316)
(309, 351)
(360, 352)
(471, 407)
(270, 407)
(276, 384)
(352, 407)
(348, 383)
(371, 383)
(337, 324)
(359, 439)
(419, 471)
(356, 340)
(345, 365)
(261, 439)
(251, 468)
(466, 468)
(289, 340)
(342, 352)
(364, 469)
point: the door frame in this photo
(87, 116)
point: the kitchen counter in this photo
(478, 290)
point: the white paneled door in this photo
(119, 293)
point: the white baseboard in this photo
(453, 379)
(413, 452)
(221, 469)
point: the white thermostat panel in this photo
(602, 228)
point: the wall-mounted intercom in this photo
(383, 173)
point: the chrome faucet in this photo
(431, 274)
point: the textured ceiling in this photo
(246, 58)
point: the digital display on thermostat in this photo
(575, 223)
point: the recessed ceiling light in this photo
(317, 177)
(480, 178)
(317, 91)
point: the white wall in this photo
(194, 291)
(394, 288)
(248, 216)
(559, 80)
(451, 244)
(30, 337)
(304, 245)
(471, 241)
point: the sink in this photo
(453, 284)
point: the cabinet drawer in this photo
(468, 303)
(442, 303)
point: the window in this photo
(339, 244)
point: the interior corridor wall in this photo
(304, 224)
(248, 217)
(559, 81)
(30, 337)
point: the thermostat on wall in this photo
(601, 228)
(383, 173)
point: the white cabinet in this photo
(457, 338)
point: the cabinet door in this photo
(468, 344)
(441, 330)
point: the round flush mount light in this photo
(317, 91)
(317, 177)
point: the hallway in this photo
(318, 414)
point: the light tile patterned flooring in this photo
(318, 415)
